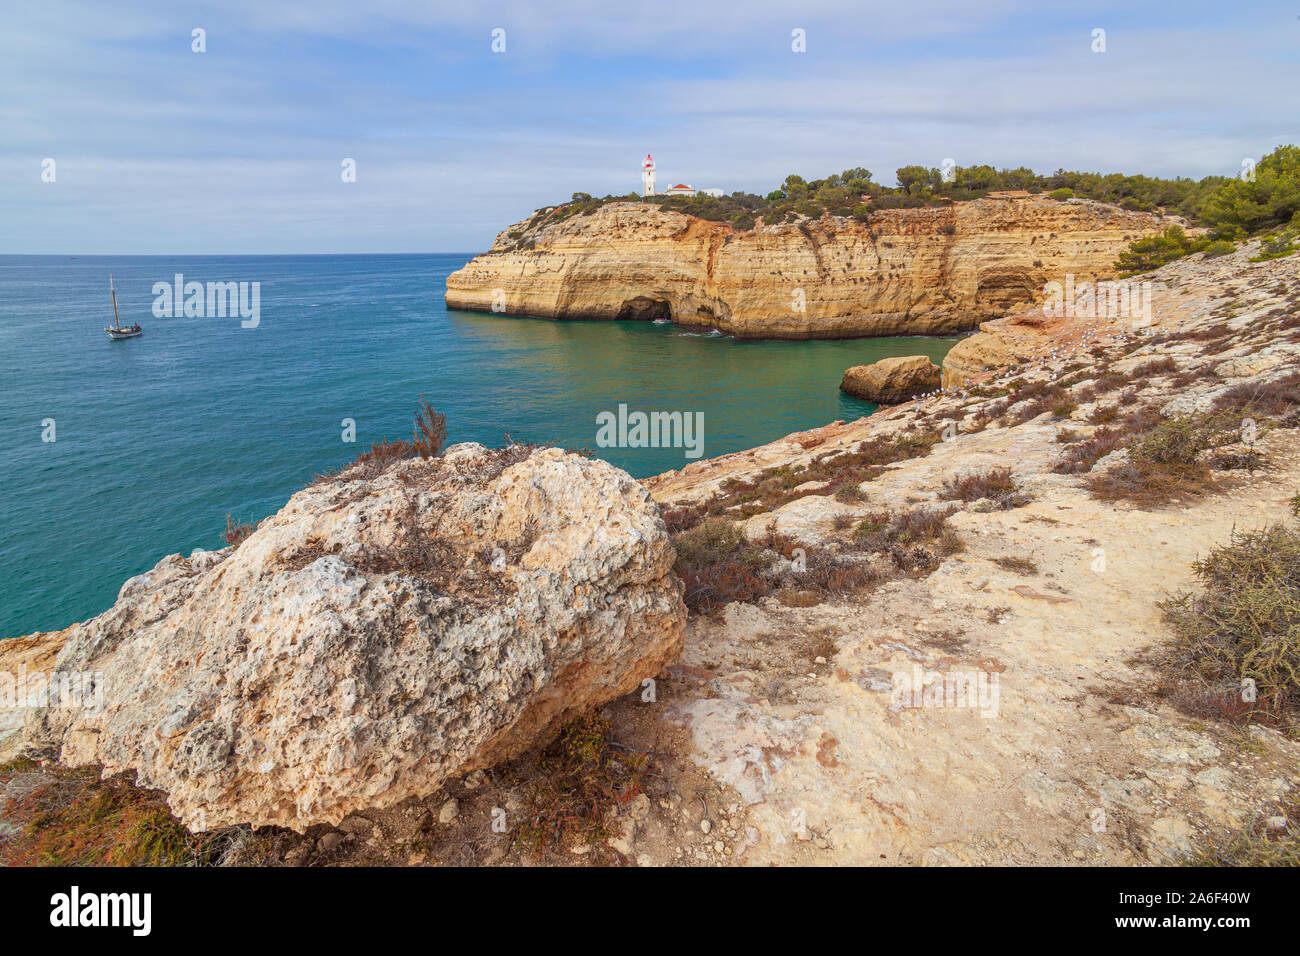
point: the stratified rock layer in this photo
(892, 380)
(929, 270)
(379, 634)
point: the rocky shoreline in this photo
(774, 724)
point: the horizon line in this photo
(211, 255)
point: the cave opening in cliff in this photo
(643, 308)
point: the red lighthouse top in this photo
(648, 160)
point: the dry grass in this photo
(839, 474)
(370, 463)
(826, 575)
(1166, 458)
(916, 541)
(1083, 453)
(1108, 381)
(995, 484)
(1257, 844)
(72, 818)
(236, 532)
(575, 786)
(1155, 367)
(1017, 565)
(428, 435)
(1192, 375)
(718, 565)
(1034, 399)
(1243, 625)
(1148, 488)
(1278, 399)
(430, 432)
(1219, 330)
(1104, 414)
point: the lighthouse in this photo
(648, 176)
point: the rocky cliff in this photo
(1095, 756)
(927, 270)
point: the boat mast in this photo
(117, 323)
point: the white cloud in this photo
(239, 149)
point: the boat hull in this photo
(116, 334)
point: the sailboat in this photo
(119, 331)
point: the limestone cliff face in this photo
(908, 271)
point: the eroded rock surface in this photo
(378, 635)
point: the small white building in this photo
(681, 189)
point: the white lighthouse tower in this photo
(648, 176)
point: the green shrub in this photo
(1154, 251)
(1281, 243)
(1244, 207)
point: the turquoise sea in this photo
(158, 438)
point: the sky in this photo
(239, 149)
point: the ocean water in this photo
(158, 438)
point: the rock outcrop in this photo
(1002, 342)
(386, 630)
(892, 380)
(930, 270)
(1058, 599)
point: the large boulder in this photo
(892, 380)
(386, 630)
